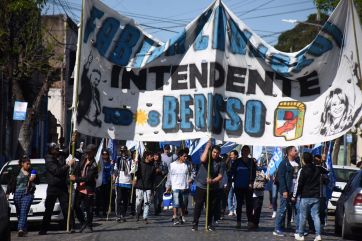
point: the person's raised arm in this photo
(204, 156)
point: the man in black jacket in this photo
(145, 177)
(57, 172)
(309, 190)
(85, 175)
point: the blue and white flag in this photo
(228, 147)
(331, 175)
(99, 161)
(317, 149)
(112, 148)
(275, 160)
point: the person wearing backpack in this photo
(243, 172)
(258, 194)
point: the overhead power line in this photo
(280, 13)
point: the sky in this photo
(167, 17)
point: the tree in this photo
(24, 58)
(327, 6)
(301, 35)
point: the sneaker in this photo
(318, 238)
(274, 215)
(119, 220)
(231, 214)
(170, 207)
(175, 221)
(146, 221)
(195, 227)
(211, 228)
(165, 208)
(183, 219)
(298, 237)
(21, 233)
(278, 233)
(234, 213)
(88, 230)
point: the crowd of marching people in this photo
(220, 184)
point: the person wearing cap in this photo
(57, 171)
(103, 191)
(122, 174)
(144, 183)
(22, 185)
(85, 175)
(167, 156)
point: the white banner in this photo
(216, 79)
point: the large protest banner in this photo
(216, 79)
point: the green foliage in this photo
(22, 54)
(301, 35)
(327, 6)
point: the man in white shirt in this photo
(178, 180)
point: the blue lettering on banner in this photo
(123, 49)
(319, 46)
(177, 45)
(153, 118)
(200, 112)
(219, 106)
(280, 63)
(335, 32)
(202, 41)
(140, 56)
(219, 29)
(186, 113)
(302, 62)
(170, 110)
(105, 35)
(255, 118)
(156, 53)
(234, 126)
(90, 26)
(238, 39)
(117, 116)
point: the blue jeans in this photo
(275, 191)
(231, 200)
(297, 215)
(280, 219)
(309, 205)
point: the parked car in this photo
(4, 217)
(348, 219)
(342, 173)
(37, 208)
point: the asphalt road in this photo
(161, 228)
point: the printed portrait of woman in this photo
(337, 115)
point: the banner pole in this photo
(75, 103)
(208, 192)
(356, 43)
(134, 176)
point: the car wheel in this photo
(346, 229)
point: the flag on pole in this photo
(331, 175)
(112, 148)
(228, 147)
(99, 161)
(275, 160)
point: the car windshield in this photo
(343, 175)
(8, 170)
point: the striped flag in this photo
(112, 148)
(275, 160)
(99, 164)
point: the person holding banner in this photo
(123, 170)
(103, 191)
(85, 175)
(203, 178)
(286, 176)
(57, 171)
(144, 183)
(243, 173)
(160, 180)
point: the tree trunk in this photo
(27, 128)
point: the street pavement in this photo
(161, 228)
